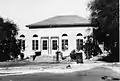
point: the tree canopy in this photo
(105, 16)
(8, 42)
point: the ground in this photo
(89, 71)
(94, 74)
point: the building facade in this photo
(63, 33)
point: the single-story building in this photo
(63, 33)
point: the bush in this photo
(73, 55)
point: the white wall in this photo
(51, 32)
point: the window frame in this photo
(44, 46)
(54, 44)
(22, 42)
(79, 41)
(64, 42)
(35, 42)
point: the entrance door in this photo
(54, 45)
(44, 45)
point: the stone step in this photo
(44, 59)
(49, 59)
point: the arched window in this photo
(79, 34)
(64, 35)
(79, 41)
(35, 35)
(35, 42)
(22, 36)
(22, 42)
(64, 42)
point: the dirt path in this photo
(94, 74)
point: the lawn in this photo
(28, 63)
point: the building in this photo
(63, 33)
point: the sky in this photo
(24, 12)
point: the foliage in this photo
(73, 55)
(91, 48)
(8, 43)
(77, 56)
(105, 16)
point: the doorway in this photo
(45, 45)
(54, 44)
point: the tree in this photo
(105, 16)
(8, 41)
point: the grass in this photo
(12, 64)
(26, 63)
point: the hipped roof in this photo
(61, 21)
